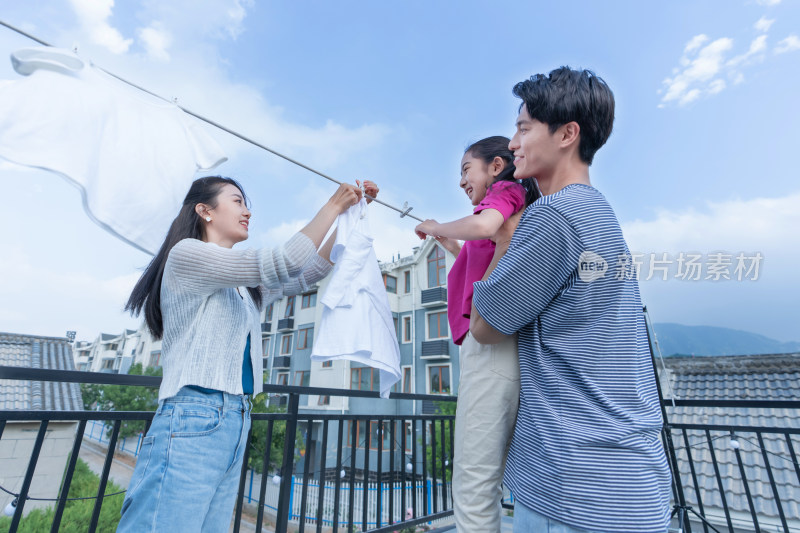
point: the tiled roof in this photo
(764, 377)
(37, 352)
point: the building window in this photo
(289, 307)
(363, 378)
(155, 359)
(407, 379)
(407, 281)
(286, 344)
(361, 433)
(283, 378)
(378, 431)
(308, 300)
(327, 364)
(436, 268)
(268, 312)
(406, 329)
(324, 400)
(439, 379)
(409, 437)
(390, 282)
(437, 325)
(305, 337)
(302, 378)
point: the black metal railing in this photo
(732, 477)
(401, 480)
(738, 477)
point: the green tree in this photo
(130, 398)
(447, 409)
(78, 513)
(258, 437)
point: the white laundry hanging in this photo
(356, 319)
(133, 156)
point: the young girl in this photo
(203, 298)
(488, 391)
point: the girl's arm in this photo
(470, 228)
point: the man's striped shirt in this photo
(586, 449)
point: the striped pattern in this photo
(586, 449)
(206, 322)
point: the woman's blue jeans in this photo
(187, 474)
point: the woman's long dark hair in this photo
(187, 225)
(497, 146)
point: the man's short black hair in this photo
(568, 95)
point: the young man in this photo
(586, 453)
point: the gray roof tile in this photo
(37, 352)
(769, 377)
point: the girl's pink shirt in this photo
(507, 197)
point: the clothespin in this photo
(406, 209)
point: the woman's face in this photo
(475, 178)
(229, 219)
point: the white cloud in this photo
(768, 2)
(75, 300)
(156, 41)
(94, 15)
(763, 24)
(788, 44)
(704, 63)
(756, 52)
(765, 224)
(698, 70)
(716, 86)
(695, 43)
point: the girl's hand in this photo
(370, 189)
(345, 197)
(451, 245)
(426, 228)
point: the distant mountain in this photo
(677, 339)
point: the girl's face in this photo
(230, 218)
(476, 177)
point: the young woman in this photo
(488, 390)
(203, 299)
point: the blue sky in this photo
(702, 157)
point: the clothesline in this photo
(404, 211)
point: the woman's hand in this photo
(370, 189)
(429, 227)
(345, 197)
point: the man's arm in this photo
(480, 329)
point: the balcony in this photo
(286, 324)
(738, 475)
(282, 495)
(435, 296)
(266, 327)
(438, 349)
(282, 361)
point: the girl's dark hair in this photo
(187, 225)
(497, 146)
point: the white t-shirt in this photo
(132, 155)
(356, 321)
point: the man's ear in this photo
(569, 133)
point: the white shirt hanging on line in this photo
(356, 320)
(133, 156)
